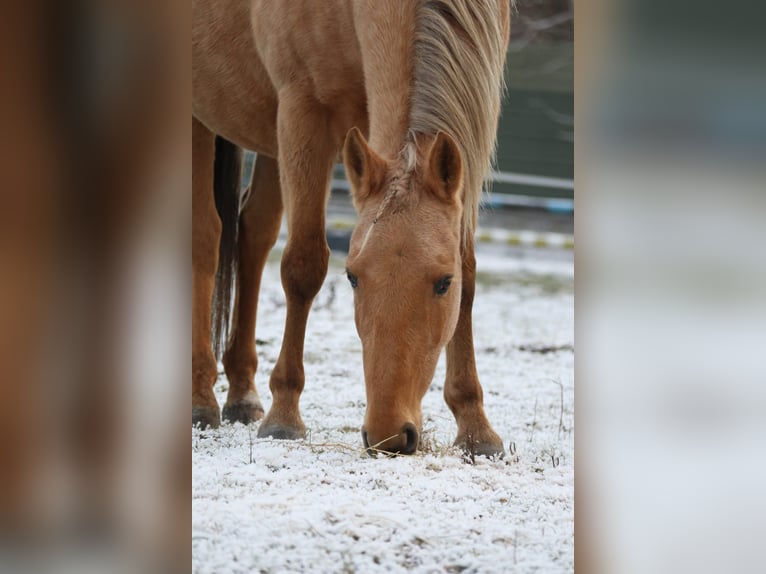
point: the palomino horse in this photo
(297, 82)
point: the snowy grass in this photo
(323, 505)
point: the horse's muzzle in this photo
(405, 442)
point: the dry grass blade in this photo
(374, 449)
(470, 449)
(561, 411)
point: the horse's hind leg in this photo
(258, 230)
(462, 389)
(206, 234)
(306, 153)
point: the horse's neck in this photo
(386, 35)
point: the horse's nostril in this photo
(413, 439)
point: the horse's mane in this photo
(459, 52)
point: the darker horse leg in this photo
(206, 234)
(258, 231)
(306, 153)
(462, 390)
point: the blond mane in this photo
(459, 53)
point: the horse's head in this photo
(404, 265)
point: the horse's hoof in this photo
(281, 432)
(206, 417)
(243, 411)
(490, 445)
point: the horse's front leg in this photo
(462, 390)
(307, 150)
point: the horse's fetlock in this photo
(204, 367)
(287, 386)
(240, 363)
(463, 399)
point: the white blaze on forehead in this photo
(389, 194)
(366, 237)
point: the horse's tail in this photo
(226, 185)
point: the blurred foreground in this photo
(671, 267)
(94, 257)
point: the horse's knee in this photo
(304, 267)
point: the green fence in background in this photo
(536, 129)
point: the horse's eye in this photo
(442, 285)
(352, 279)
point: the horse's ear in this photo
(363, 166)
(445, 167)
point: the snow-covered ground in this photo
(322, 505)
